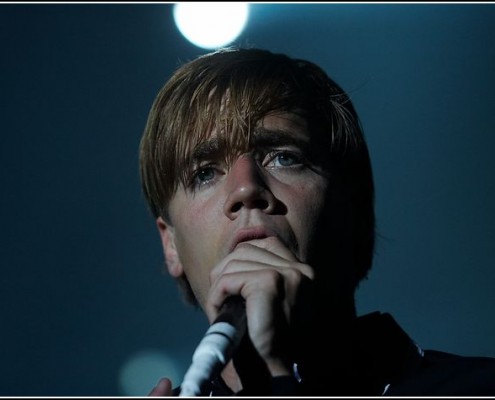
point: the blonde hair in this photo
(228, 91)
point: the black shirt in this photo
(378, 358)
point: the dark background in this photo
(82, 293)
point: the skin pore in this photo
(246, 226)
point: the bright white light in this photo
(211, 25)
(142, 371)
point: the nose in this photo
(246, 189)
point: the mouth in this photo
(250, 233)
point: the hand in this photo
(269, 277)
(162, 388)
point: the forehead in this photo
(275, 129)
(291, 123)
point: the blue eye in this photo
(283, 159)
(204, 175)
(286, 159)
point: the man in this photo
(257, 172)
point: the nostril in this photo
(236, 207)
(261, 204)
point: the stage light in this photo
(211, 25)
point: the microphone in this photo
(216, 348)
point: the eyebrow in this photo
(208, 149)
(262, 137)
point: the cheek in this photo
(196, 238)
(305, 213)
(307, 198)
(194, 254)
(189, 234)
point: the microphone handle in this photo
(216, 348)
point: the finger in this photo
(233, 283)
(268, 251)
(257, 281)
(162, 388)
(273, 245)
(246, 255)
(252, 258)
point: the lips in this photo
(250, 233)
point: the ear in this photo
(167, 235)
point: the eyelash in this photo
(196, 183)
(268, 158)
(298, 159)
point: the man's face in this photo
(276, 189)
